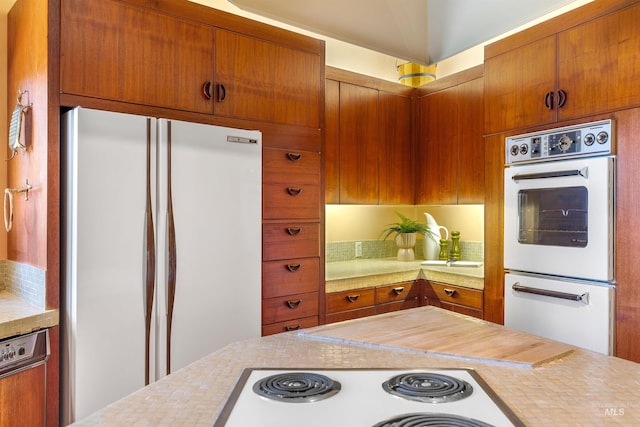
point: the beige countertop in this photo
(17, 317)
(363, 273)
(583, 388)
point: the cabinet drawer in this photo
(290, 200)
(350, 300)
(397, 292)
(351, 314)
(456, 295)
(395, 306)
(284, 165)
(294, 276)
(290, 240)
(289, 307)
(290, 325)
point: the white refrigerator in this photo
(161, 232)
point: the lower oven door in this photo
(575, 312)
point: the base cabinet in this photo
(22, 398)
(454, 298)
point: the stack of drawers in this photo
(291, 235)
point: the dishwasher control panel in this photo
(22, 350)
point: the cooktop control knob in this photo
(602, 137)
(514, 150)
(589, 139)
(524, 149)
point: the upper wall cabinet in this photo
(116, 51)
(264, 81)
(126, 52)
(585, 70)
(368, 141)
(450, 150)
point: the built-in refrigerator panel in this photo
(216, 190)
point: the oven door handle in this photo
(584, 298)
(584, 172)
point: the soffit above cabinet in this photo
(421, 31)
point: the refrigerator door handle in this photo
(171, 249)
(150, 260)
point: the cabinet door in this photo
(515, 85)
(332, 142)
(437, 148)
(358, 144)
(598, 64)
(470, 142)
(22, 398)
(395, 158)
(260, 80)
(117, 51)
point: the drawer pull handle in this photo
(292, 328)
(293, 267)
(294, 157)
(449, 292)
(293, 303)
(294, 231)
(293, 191)
(353, 298)
(398, 290)
(222, 92)
(206, 90)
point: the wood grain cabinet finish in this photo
(584, 70)
(368, 141)
(291, 184)
(259, 80)
(22, 398)
(450, 151)
(290, 240)
(122, 52)
(289, 325)
(455, 298)
(289, 307)
(291, 276)
(405, 291)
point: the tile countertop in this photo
(362, 273)
(18, 317)
(583, 388)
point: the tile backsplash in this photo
(345, 251)
(25, 281)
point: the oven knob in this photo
(514, 150)
(589, 139)
(564, 143)
(602, 137)
(524, 149)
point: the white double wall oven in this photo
(559, 234)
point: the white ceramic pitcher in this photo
(432, 237)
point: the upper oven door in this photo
(558, 218)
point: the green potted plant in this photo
(405, 235)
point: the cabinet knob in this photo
(449, 292)
(293, 231)
(353, 298)
(293, 267)
(293, 303)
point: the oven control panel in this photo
(24, 348)
(588, 139)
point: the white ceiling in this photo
(421, 31)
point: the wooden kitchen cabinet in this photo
(450, 151)
(368, 140)
(22, 398)
(584, 65)
(260, 80)
(397, 296)
(454, 298)
(123, 52)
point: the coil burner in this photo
(297, 387)
(431, 419)
(428, 387)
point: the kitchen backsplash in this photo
(345, 251)
(23, 280)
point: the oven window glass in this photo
(553, 216)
